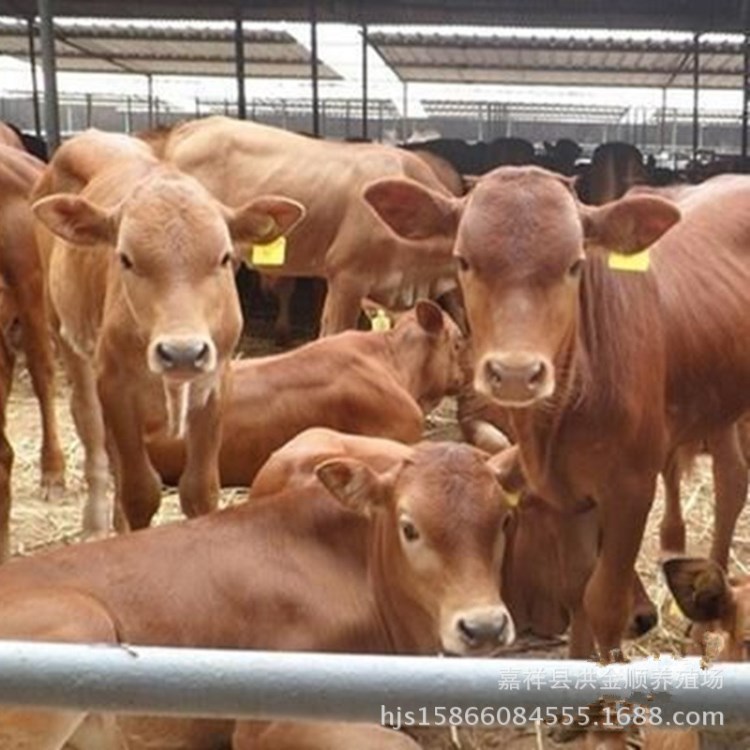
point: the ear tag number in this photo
(272, 254)
(380, 322)
(637, 262)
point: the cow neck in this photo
(406, 626)
(410, 378)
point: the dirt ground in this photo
(36, 525)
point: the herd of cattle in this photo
(592, 346)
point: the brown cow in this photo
(339, 240)
(721, 613)
(408, 578)
(23, 277)
(141, 279)
(369, 383)
(604, 370)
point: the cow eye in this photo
(125, 261)
(576, 268)
(409, 530)
(226, 259)
(463, 264)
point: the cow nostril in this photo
(165, 354)
(537, 374)
(467, 632)
(493, 371)
(202, 354)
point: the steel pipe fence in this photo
(380, 689)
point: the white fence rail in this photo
(295, 685)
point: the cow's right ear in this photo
(264, 219)
(355, 485)
(699, 587)
(413, 211)
(77, 220)
(506, 466)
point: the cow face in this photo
(719, 609)
(173, 263)
(521, 246)
(439, 540)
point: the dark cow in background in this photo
(560, 156)
(615, 168)
(10, 135)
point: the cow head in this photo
(173, 260)
(438, 543)
(719, 608)
(522, 245)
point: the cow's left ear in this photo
(355, 485)
(77, 220)
(506, 466)
(628, 225)
(429, 316)
(411, 210)
(700, 588)
(264, 219)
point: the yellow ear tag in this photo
(638, 262)
(272, 254)
(380, 322)
(513, 498)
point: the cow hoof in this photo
(53, 489)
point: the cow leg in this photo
(37, 345)
(86, 411)
(138, 485)
(730, 488)
(54, 615)
(199, 484)
(609, 592)
(6, 451)
(342, 306)
(672, 527)
(284, 290)
(578, 535)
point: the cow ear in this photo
(506, 466)
(699, 586)
(430, 317)
(355, 485)
(629, 225)
(264, 219)
(77, 220)
(411, 210)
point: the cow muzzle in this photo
(480, 631)
(182, 357)
(516, 380)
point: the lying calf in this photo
(398, 561)
(367, 383)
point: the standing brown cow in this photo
(141, 279)
(21, 271)
(340, 239)
(604, 370)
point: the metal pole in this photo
(89, 110)
(696, 92)
(239, 57)
(129, 115)
(34, 82)
(745, 99)
(346, 687)
(314, 66)
(49, 68)
(405, 112)
(150, 84)
(663, 120)
(365, 45)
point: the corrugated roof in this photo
(692, 15)
(508, 59)
(165, 50)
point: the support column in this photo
(239, 57)
(34, 81)
(745, 100)
(365, 45)
(696, 93)
(49, 67)
(150, 84)
(405, 113)
(314, 66)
